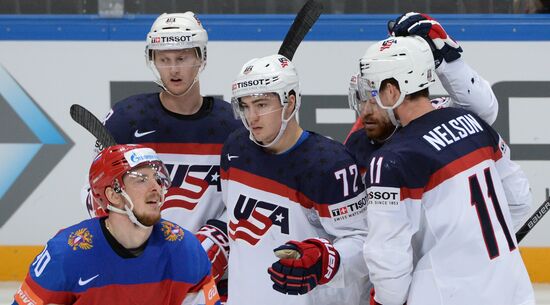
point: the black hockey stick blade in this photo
(533, 220)
(89, 121)
(306, 17)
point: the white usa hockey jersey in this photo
(189, 146)
(314, 190)
(441, 230)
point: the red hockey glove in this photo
(372, 301)
(443, 46)
(222, 290)
(304, 265)
(214, 240)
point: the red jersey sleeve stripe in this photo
(457, 166)
(356, 126)
(452, 169)
(268, 185)
(411, 193)
(30, 287)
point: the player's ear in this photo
(114, 198)
(291, 104)
(392, 90)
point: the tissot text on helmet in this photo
(248, 83)
(165, 39)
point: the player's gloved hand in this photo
(304, 265)
(222, 290)
(372, 301)
(442, 102)
(214, 240)
(443, 46)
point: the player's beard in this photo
(148, 219)
(380, 128)
(381, 133)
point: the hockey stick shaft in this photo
(306, 17)
(91, 123)
(533, 220)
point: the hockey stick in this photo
(306, 17)
(533, 220)
(91, 123)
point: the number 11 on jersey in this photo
(477, 199)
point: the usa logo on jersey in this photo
(255, 218)
(189, 184)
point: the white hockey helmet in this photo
(408, 60)
(270, 74)
(175, 32)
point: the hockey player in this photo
(131, 256)
(290, 190)
(466, 88)
(186, 129)
(440, 225)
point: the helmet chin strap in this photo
(129, 208)
(393, 119)
(395, 127)
(390, 110)
(195, 80)
(128, 211)
(284, 124)
(277, 138)
(161, 84)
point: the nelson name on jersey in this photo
(452, 131)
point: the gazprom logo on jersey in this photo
(30, 147)
(137, 156)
